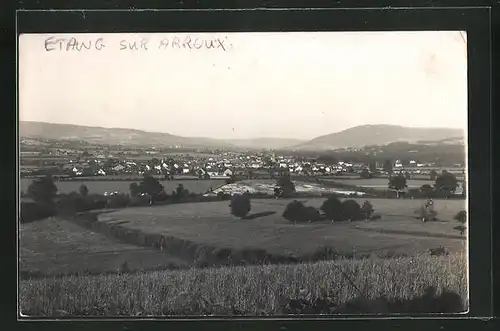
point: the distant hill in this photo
(99, 135)
(265, 143)
(355, 137)
(367, 135)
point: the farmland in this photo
(210, 223)
(253, 290)
(99, 187)
(54, 246)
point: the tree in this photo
(373, 167)
(84, 190)
(286, 184)
(365, 174)
(433, 174)
(398, 183)
(311, 214)
(240, 205)
(332, 208)
(446, 183)
(427, 190)
(294, 211)
(351, 210)
(388, 167)
(150, 186)
(461, 217)
(43, 189)
(367, 209)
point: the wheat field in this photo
(252, 290)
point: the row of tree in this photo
(445, 184)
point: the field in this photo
(379, 182)
(99, 187)
(53, 247)
(210, 223)
(259, 290)
(267, 186)
(373, 285)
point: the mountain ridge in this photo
(355, 137)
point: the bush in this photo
(461, 217)
(240, 205)
(311, 214)
(84, 190)
(118, 201)
(221, 196)
(367, 209)
(332, 208)
(33, 211)
(294, 211)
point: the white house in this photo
(118, 168)
(185, 171)
(228, 172)
(101, 172)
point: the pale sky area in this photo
(290, 85)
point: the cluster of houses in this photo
(100, 162)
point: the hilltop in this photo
(369, 135)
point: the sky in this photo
(290, 85)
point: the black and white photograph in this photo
(244, 174)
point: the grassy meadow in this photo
(253, 290)
(99, 187)
(210, 223)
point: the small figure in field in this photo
(429, 213)
(278, 192)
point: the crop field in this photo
(210, 223)
(255, 290)
(54, 246)
(99, 187)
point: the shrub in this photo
(240, 205)
(118, 201)
(461, 217)
(84, 190)
(351, 210)
(427, 191)
(427, 213)
(221, 196)
(367, 209)
(311, 214)
(33, 211)
(332, 208)
(294, 211)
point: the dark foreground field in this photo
(366, 286)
